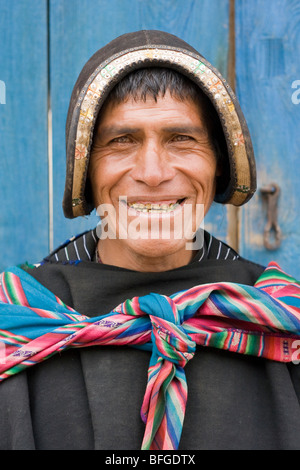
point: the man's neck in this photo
(113, 253)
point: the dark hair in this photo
(153, 82)
(156, 81)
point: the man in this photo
(153, 133)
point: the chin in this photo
(157, 248)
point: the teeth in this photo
(148, 207)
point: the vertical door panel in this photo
(267, 64)
(23, 132)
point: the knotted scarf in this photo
(261, 320)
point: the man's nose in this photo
(153, 165)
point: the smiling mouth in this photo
(156, 207)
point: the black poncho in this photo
(91, 398)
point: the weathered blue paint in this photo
(23, 131)
(267, 64)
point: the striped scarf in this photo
(261, 320)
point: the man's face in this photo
(151, 161)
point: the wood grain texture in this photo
(23, 132)
(267, 63)
(79, 28)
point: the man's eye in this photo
(182, 138)
(124, 139)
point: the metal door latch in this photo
(272, 229)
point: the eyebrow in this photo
(186, 130)
(116, 130)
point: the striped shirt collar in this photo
(83, 248)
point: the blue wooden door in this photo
(267, 65)
(45, 43)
